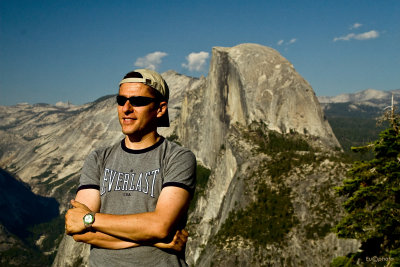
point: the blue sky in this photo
(77, 51)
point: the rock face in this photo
(253, 86)
(249, 83)
(227, 120)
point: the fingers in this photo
(180, 237)
(77, 204)
(178, 241)
(184, 232)
(67, 223)
(66, 230)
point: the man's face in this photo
(137, 121)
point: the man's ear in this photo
(162, 108)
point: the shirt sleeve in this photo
(90, 174)
(180, 170)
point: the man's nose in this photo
(127, 108)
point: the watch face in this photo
(88, 219)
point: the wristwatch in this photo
(88, 219)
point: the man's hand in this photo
(74, 218)
(178, 242)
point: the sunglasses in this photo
(135, 101)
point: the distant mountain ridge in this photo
(355, 117)
(368, 96)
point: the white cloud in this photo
(355, 26)
(282, 42)
(367, 35)
(196, 61)
(150, 61)
(344, 38)
(361, 36)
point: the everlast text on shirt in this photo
(129, 181)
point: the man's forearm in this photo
(144, 227)
(103, 240)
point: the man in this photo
(134, 196)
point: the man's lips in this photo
(128, 120)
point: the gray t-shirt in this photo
(130, 182)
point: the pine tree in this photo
(372, 201)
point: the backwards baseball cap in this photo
(155, 81)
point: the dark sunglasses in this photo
(135, 101)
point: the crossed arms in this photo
(124, 231)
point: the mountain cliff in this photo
(249, 83)
(253, 121)
(259, 104)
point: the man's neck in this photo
(137, 143)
